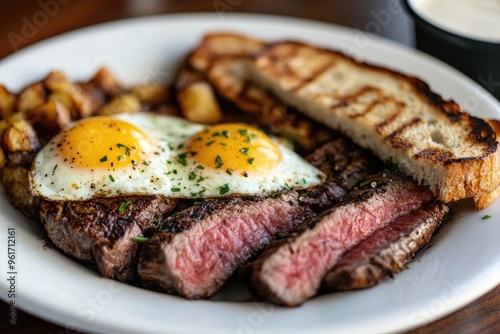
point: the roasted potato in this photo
(56, 81)
(49, 118)
(106, 81)
(3, 159)
(197, 99)
(19, 136)
(31, 97)
(6, 102)
(126, 103)
(151, 93)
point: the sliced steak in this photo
(344, 162)
(291, 271)
(217, 236)
(200, 247)
(100, 231)
(387, 251)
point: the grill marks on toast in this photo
(429, 138)
(222, 59)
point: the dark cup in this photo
(480, 60)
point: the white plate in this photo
(463, 263)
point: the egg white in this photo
(170, 171)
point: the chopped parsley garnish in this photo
(210, 143)
(226, 133)
(281, 235)
(287, 187)
(120, 158)
(364, 183)
(486, 217)
(182, 158)
(175, 190)
(216, 134)
(250, 160)
(127, 149)
(229, 172)
(139, 239)
(224, 189)
(218, 161)
(145, 163)
(192, 176)
(174, 171)
(243, 132)
(244, 150)
(124, 205)
(304, 181)
(249, 138)
(197, 203)
(180, 146)
(200, 167)
(201, 179)
(104, 158)
(170, 147)
(199, 193)
(111, 178)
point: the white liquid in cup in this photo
(476, 19)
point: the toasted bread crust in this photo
(396, 116)
(222, 58)
(481, 201)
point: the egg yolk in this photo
(104, 143)
(234, 148)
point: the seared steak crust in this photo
(344, 162)
(291, 270)
(217, 236)
(101, 230)
(385, 252)
(200, 247)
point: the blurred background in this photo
(23, 22)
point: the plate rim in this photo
(378, 40)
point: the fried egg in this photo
(146, 153)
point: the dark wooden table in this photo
(24, 22)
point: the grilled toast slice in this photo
(221, 58)
(396, 116)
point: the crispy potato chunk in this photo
(106, 81)
(197, 99)
(3, 159)
(56, 81)
(20, 136)
(49, 118)
(31, 97)
(6, 102)
(127, 103)
(151, 93)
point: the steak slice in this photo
(100, 230)
(200, 247)
(217, 236)
(344, 162)
(387, 251)
(291, 271)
